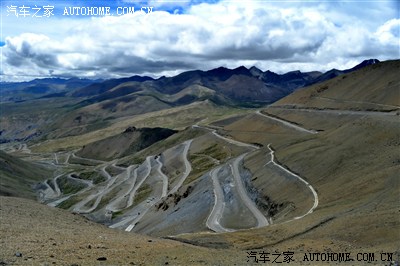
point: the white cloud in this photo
(389, 33)
(277, 37)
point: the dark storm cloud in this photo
(24, 52)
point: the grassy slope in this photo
(17, 176)
(174, 118)
(22, 119)
(128, 142)
(370, 88)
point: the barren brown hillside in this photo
(50, 236)
(375, 87)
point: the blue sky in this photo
(182, 35)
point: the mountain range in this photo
(176, 171)
(80, 105)
(239, 85)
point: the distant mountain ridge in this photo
(232, 86)
(240, 85)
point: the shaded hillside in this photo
(17, 176)
(37, 88)
(175, 118)
(100, 87)
(128, 142)
(103, 114)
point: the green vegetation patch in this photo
(113, 171)
(73, 160)
(69, 186)
(116, 214)
(96, 177)
(216, 152)
(107, 198)
(68, 203)
(204, 161)
(143, 192)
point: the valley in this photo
(178, 161)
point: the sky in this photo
(44, 39)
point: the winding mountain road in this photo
(133, 192)
(164, 178)
(131, 180)
(114, 164)
(94, 161)
(261, 219)
(56, 187)
(67, 158)
(300, 178)
(111, 206)
(338, 111)
(188, 167)
(99, 195)
(55, 158)
(232, 141)
(216, 213)
(288, 124)
(213, 220)
(105, 173)
(89, 186)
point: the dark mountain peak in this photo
(47, 81)
(363, 64)
(187, 75)
(269, 76)
(254, 68)
(171, 85)
(269, 72)
(139, 78)
(223, 73)
(296, 72)
(296, 75)
(314, 74)
(220, 71)
(325, 76)
(242, 70)
(293, 74)
(256, 72)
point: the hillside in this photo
(375, 87)
(129, 141)
(17, 177)
(46, 235)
